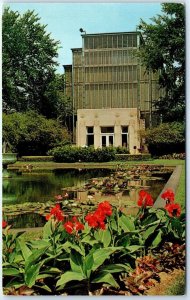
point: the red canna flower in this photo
(69, 226)
(174, 209)
(145, 199)
(56, 212)
(74, 226)
(106, 208)
(92, 220)
(4, 224)
(79, 226)
(168, 195)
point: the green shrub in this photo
(86, 154)
(167, 138)
(122, 150)
(32, 134)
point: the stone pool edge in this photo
(172, 183)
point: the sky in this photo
(64, 20)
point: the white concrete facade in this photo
(110, 127)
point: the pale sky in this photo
(64, 20)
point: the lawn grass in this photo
(178, 287)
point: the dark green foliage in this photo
(166, 138)
(122, 150)
(28, 62)
(163, 50)
(77, 154)
(32, 134)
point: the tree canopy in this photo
(28, 62)
(163, 51)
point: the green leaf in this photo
(106, 278)
(70, 276)
(88, 263)
(36, 254)
(89, 240)
(31, 274)
(26, 252)
(100, 255)
(126, 223)
(39, 244)
(149, 231)
(44, 287)
(103, 236)
(133, 248)
(47, 230)
(10, 272)
(157, 239)
(76, 261)
(68, 245)
(115, 268)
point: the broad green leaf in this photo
(133, 248)
(68, 245)
(70, 276)
(31, 274)
(100, 255)
(44, 287)
(106, 278)
(115, 268)
(103, 236)
(33, 258)
(88, 263)
(53, 271)
(26, 252)
(10, 272)
(157, 239)
(40, 244)
(47, 230)
(76, 261)
(42, 276)
(149, 231)
(89, 240)
(126, 223)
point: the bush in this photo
(77, 154)
(122, 150)
(32, 134)
(167, 138)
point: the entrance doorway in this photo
(107, 140)
(107, 136)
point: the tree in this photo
(63, 108)
(163, 51)
(28, 61)
(32, 134)
(166, 138)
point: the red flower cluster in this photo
(56, 212)
(145, 199)
(73, 226)
(4, 224)
(168, 195)
(97, 219)
(174, 209)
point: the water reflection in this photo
(42, 187)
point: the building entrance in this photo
(107, 140)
